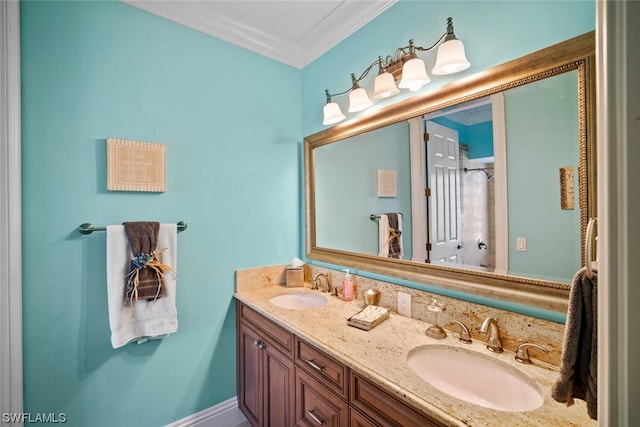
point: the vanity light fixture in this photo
(450, 58)
(358, 98)
(332, 112)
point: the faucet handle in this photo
(522, 354)
(465, 335)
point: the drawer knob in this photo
(315, 417)
(259, 344)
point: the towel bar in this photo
(88, 228)
(373, 217)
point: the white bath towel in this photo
(384, 242)
(143, 319)
(383, 236)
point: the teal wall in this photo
(539, 144)
(478, 137)
(346, 174)
(480, 140)
(92, 70)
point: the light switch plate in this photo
(521, 244)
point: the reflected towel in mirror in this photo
(390, 236)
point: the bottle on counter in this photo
(347, 287)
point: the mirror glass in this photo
(490, 180)
(523, 230)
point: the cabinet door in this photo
(278, 378)
(249, 369)
(316, 405)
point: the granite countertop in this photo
(380, 355)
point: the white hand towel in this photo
(383, 236)
(143, 319)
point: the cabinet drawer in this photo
(277, 335)
(322, 367)
(359, 420)
(383, 408)
(316, 405)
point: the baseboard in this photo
(224, 414)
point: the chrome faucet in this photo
(326, 283)
(493, 342)
(522, 354)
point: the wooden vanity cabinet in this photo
(284, 381)
(266, 371)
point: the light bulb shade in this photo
(384, 86)
(359, 100)
(332, 113)
(414, 75)
(450, 58)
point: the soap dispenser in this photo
(347, 287)
(435, 330)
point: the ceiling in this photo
(294, 32)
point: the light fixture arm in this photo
(401, 52)
(355, 81)
(427, 49)
(380, 62)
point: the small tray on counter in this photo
(368, 318)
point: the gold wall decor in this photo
(135, 165)
(566, 188)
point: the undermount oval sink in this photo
(475, 378)
(299, 300)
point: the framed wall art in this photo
(387, 183)
(135, 166)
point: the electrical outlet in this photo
(404, 304)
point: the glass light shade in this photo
(332, 113)
(450, 58)
(384, 86)
(414, 75)
(359, 100)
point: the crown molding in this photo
(345, 19)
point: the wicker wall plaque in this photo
(135, 165)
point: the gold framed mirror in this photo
(575, 56)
